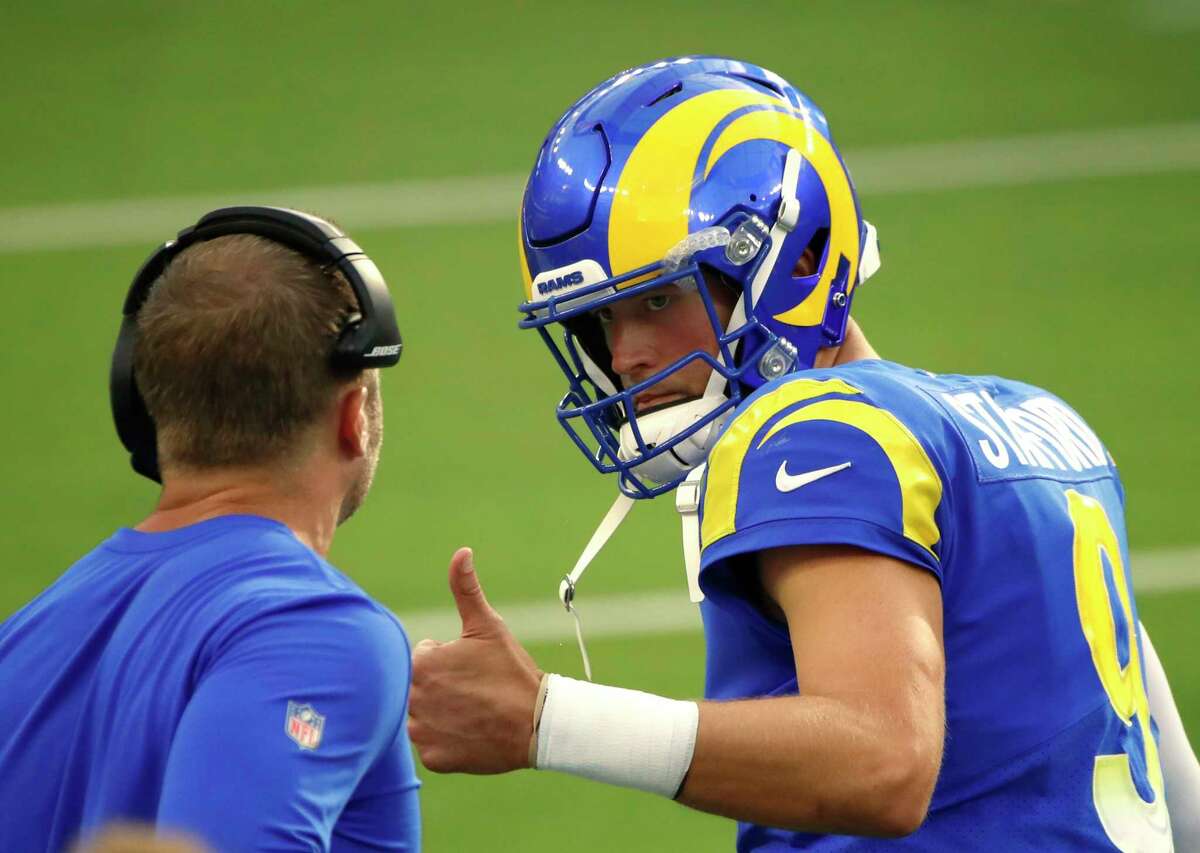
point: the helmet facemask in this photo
(652, 451)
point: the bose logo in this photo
(391, 349)
(563, 281)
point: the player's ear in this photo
(352, 421)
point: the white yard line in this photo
(1167, 16)
(546, 621)
(1006, 161)
(670, 612)
(1166, 570)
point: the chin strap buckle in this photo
(566, 587)
(566, 593)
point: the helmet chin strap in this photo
(687, 494)
(566, 587)
(687, 504)
(789, 215)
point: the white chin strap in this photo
(566, 587)
(687, 504)
(870, 262)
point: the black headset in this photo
(370, 338)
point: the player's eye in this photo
(604, 314)
(657, 301)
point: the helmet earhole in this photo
(806, 265)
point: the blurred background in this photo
(1033, 169)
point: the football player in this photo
(915, 587)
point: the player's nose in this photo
(632, 346)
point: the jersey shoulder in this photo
(857, 455)
(245, 574)
(878, 455)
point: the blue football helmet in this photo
(703, 172)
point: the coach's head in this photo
(241, 357)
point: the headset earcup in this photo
(134, 425)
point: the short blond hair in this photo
(232, 355)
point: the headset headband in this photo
(370, 339)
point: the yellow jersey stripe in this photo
(725, 460)
(920, 485)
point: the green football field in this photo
(1034, 175)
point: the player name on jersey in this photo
(1039, 432)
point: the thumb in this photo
(473, 608)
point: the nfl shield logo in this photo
(304, 725)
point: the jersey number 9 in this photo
(1127, 788)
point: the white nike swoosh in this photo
(786, 482)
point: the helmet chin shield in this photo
(693, 418)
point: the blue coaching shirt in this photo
(1003, 493)
(220, 679)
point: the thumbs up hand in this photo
(472, 699)
(478, 617)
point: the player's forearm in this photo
(812, 763)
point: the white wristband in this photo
(610, 734)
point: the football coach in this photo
(207, 671)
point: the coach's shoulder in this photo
(286, 595)
(320, 597)
(370, 638)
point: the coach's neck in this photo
(312, 489)
(303, 500)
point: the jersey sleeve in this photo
(820, 462)
(384, 813)
(289, 717)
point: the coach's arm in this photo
(859, 751)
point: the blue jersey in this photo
(1008, 498)
(220, 679)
